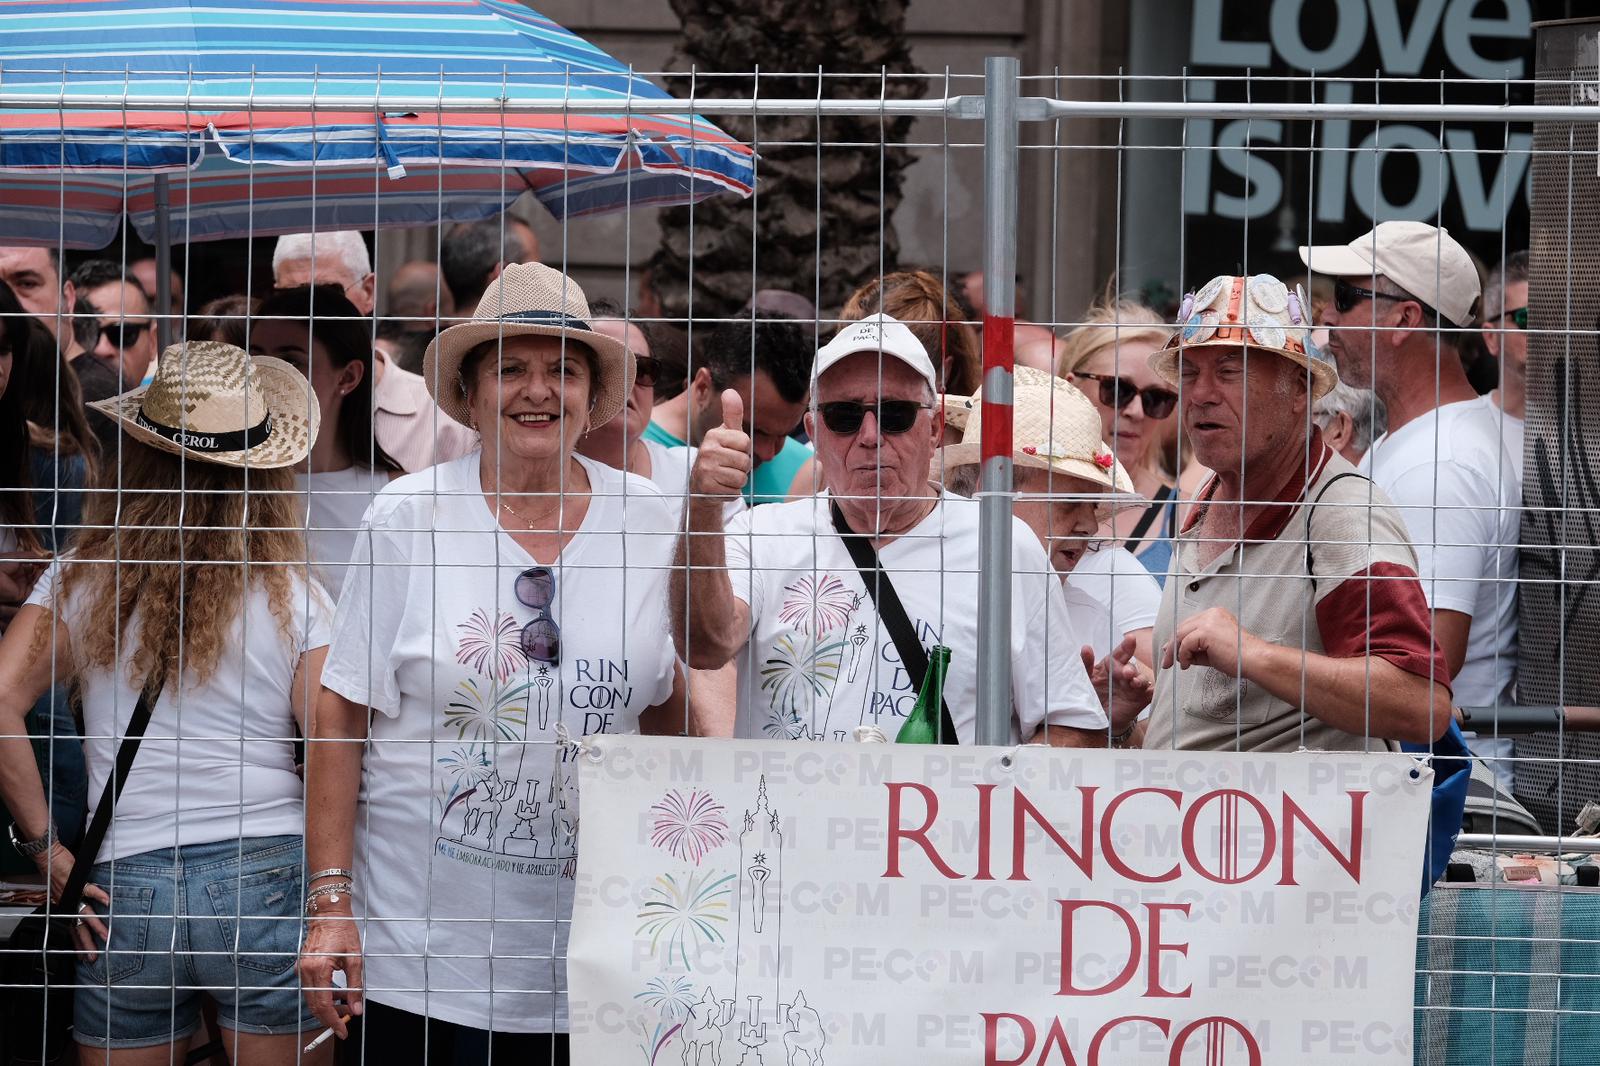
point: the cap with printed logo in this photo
(877, 333)
(1423, 260)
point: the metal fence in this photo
(1505, 969)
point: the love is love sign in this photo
(788, 904)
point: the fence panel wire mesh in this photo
(295, 564)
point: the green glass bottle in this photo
(922, 724)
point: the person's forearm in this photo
(333, 781)
(713, 701)
(1066, 736)
(26, 674)
(1362, 696)
(704, 620)
(20, 784)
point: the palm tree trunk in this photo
(714, 255)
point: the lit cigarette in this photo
(326, 1033)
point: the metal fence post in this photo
(163, 263)
(999, 289)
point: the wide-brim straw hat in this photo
(214, 403)
(1257, 312)
(529, 299)
(1054, 427)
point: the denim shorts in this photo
(223, 919)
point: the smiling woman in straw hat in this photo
(187, 581)
(495, 605)
(1068, 483)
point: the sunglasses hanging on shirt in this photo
(541, 638)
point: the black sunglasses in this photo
(1117, 393)
(894, 416)
(645, 369)
(541, 638)
(1518, 317)
(124, 335)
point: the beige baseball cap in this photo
(1424, 260)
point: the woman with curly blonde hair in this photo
(187, 584)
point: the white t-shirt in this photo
(820, 662)
(466, 833)
(217, 760)
(1129, 595)
(669, 469)
(1513, 429)
(338, 500)
(1460, 496)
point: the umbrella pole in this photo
(163, 264)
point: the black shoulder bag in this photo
(40, 965)
(913, 656)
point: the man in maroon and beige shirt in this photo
(1292, 616)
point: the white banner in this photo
(787, 904)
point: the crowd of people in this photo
(376, 579)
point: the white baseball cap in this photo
(877, 333)
(1424, 260)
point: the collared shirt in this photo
(1345, 587)
(409, 425)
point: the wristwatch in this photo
(29, 848)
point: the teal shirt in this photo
(654, 432)
(770, 481)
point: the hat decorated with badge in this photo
(214, 403)
(1054, 427)
(1256, 311)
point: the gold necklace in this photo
(532, 524)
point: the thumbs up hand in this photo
(723, 464)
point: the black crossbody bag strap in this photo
(912, 654)
(1332, 481)
(72, 894)
(1146, 520)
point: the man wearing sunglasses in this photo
(1403, 295)
(124, 333)
(782, 596)
(1505, 320)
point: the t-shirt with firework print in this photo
(466, 837)
(819, 660)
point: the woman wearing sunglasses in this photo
(1107, 357)
(497, 606)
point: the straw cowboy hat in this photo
(1054, 427)
(529, 299)
(1257, 312)
(212, 402)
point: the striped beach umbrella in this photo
(259, 117)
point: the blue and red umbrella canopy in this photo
(237, 167)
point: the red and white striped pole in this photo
(1000, 169)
